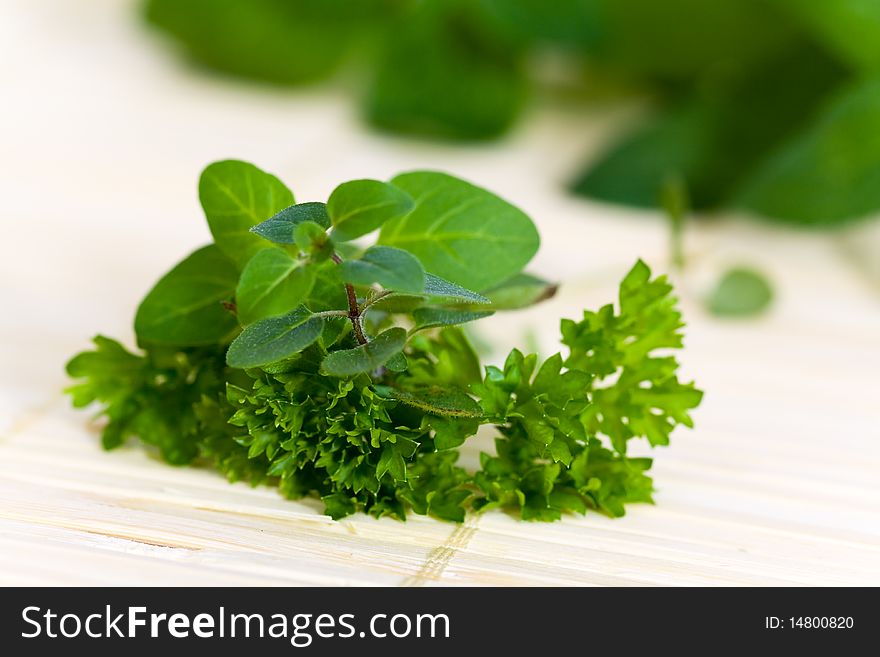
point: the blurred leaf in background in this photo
(741, 292)
(445, 71)
(761, 104)
(714, 137)
(828, 172)
(281, 41)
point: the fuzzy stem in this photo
(354, 313)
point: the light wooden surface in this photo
(103, 135)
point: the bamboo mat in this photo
(104, 135)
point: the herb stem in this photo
(331, 313)
(354, 313)
(374, 299)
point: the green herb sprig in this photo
(290, 354)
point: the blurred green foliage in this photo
(768, 105)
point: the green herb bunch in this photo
(287, 352)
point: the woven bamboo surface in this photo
(103, 136)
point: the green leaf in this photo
(520, 291)
(850, 28)
(328, 292)
(279, 41)
(272, 283)
(186, 306)
(452, 432)
(740, 292)
(339, 505)
(426, 318)
(359, 207)
(274, 339)
(461, 232)
(391, 461)
(437, 400)
(713, 139)
(830, 171)
(440, 288)
(236, 196)
(686, 40)
(280, 228)
(366, 357)
(314, 241)
(393, 269)
(447, 72)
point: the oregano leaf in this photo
(437, 400)
(426, 318)
(274, 339)
(185, 307)
(280, 228)
(520, 291)
(441, 288)
(461, 232)
(273, 282)
(236, 196)
(393, 269)
(366, 357)
(359, 207)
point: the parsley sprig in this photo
(286, 353)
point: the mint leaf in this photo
(280, 228)
(461, 232)
(237, 196)
(366, 357)
(359, 207)
(274, 339)
(393, 269)
(186, 306)
(272, 283)
(740, 293)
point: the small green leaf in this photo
(393, 269)
(274, 339)
(452, 432)
(461, 232)
(438, 400)
(391, 461)
(339, 505)
(441, 288)
(740, 292)
(280, 227)
(185, 307)
(426, 318)
(359, 207)
(272, 283)
(366, 357)
(520, 291)
(236, 196)
(313, 240)
(397, 363)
